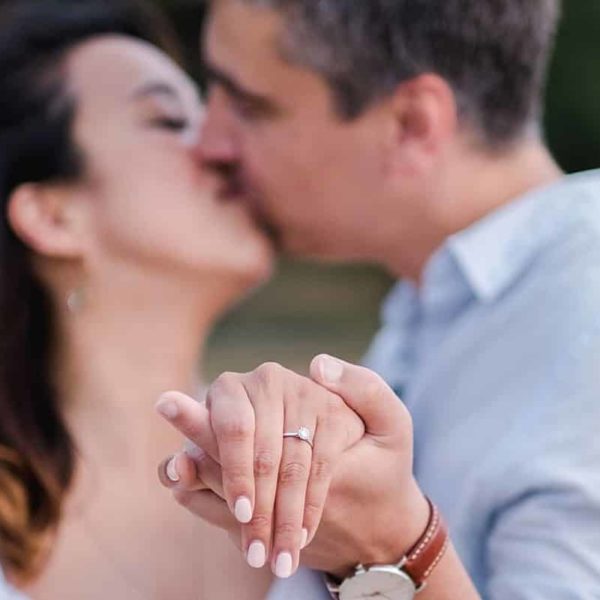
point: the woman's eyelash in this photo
(172, 123)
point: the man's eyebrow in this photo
(156, 88)
(235, 89)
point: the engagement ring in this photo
(303, 434)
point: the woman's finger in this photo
(331, 439)
(294, 473)
(209, 507)
(264, 388)
(191, 418)
(208, 471)
(232, 419)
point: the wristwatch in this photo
(400, 581)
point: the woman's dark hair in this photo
(37, 454)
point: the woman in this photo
(117, 255)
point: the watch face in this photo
(378, 583)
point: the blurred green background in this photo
(309, 308)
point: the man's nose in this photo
(217, 142)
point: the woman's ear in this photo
(47, 219)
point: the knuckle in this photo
(224, 385)
(292, 473)
(320, 469)
(300, 391)
(235, 474)
(374, 390)
(312, 511)
(268, 371)
(269, 367)
(264, 464)
(260, 523)
(286, 529)
(224, 381)
(233, 429)
(374, 384)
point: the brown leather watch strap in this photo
(429, 549)
(418, 563)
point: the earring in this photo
(75, 300)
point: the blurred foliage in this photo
(572, 115)
(309, 309)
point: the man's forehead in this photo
(243, 45)
(236, 24)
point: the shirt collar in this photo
(495, 251)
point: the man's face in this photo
(317, 181)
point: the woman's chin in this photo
(257, 268)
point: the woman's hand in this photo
(275, 486)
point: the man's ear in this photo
(46, 218)
(425, 117)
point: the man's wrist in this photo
(402, 526)
(405, 575)
(406, 523)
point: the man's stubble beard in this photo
(239, 189)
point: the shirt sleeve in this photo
(544, 537)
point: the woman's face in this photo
(150, 204)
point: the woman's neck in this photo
(118, 356)
(119, 353)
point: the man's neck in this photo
(473, 186)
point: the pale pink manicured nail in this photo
(243, 510)
(283, 565)
(193, 451)
(167, 408)
(331, 369)
(304, 538)
(257, 555)
(171, 470)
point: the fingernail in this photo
(331, 369)
(257, 555)
(304, 538)
(193, 451)
(283, 566)
(171, 470)
(167, 408)
(243, 510)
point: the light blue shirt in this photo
(497, 356)
(7, 592)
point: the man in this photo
(407, 133)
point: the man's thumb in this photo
(365, 392)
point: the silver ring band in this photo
(303, 434)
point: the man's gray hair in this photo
(493, 53)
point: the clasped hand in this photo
(347, 495)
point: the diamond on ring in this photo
(303, 434)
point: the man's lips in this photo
(236, 189)
(231, 190)
(251, 200)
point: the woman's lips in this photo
(236, 190)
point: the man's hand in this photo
(276, 487)
(375, 511)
